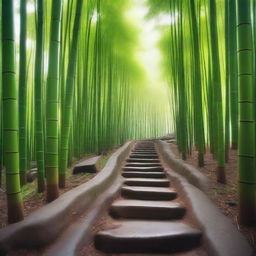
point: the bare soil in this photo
(225, 196)
(33, 200)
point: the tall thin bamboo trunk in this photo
(246, 143)
(1, 103)
(216, 79)
(52, 104)
(233, 74)
(197, 86)
(23, 94)
(68, 104)
(10, 116)
(227, 101)
(38, 79)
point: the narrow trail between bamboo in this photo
(148, 215)
(143, 211)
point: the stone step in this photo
(146, 151)
(145, 144)
(142, 160)
(143, 169)
(152, 156)
(87, 166)
(144, 148)
(135, 236)
(147, 182)
(148, 193)
(143, 165)
(141, 209)
(156, 175)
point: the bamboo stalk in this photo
(10, 116)
(23, 94)
(52, 117)
(39, 97)
(246, 143)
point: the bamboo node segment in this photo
(13, 193)
(246, 156)
(8, 72)
(244, 23)
(8, 39)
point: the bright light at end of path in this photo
(94, 17)
(148, 52)
(30, 7)
(167, 19)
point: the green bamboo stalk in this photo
(1, 100)
(197, 87)
(23, 94)
(221, 177)
(233, 75)
(227, 100)
(38, 80)
(246, 143)
(10, 116)
(52, 117)
(70, 83)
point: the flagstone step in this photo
(143, 165)
(156, 175)
(144, 148)
(143, 169)
(143, 160)
(142, 209)
(147, 182)
(148, 193)
(146, 151)
(137, 236)
(137, 155)
(87, 166)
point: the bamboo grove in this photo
(209, 59)
(70, 86)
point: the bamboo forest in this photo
(127, 127)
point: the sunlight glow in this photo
(17, 20)
(29, 42)
(167, 19)
(148, 52)
(94, 17)
(30, 7)
(203, 13)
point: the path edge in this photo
(194, 176)
(42, 227)
(220, 235)
(78, 236)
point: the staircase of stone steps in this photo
(145, 219)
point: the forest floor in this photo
(225, 196)
(33, 200)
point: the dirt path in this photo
(137, 208)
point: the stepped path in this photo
(149, 217)
(146, 211)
